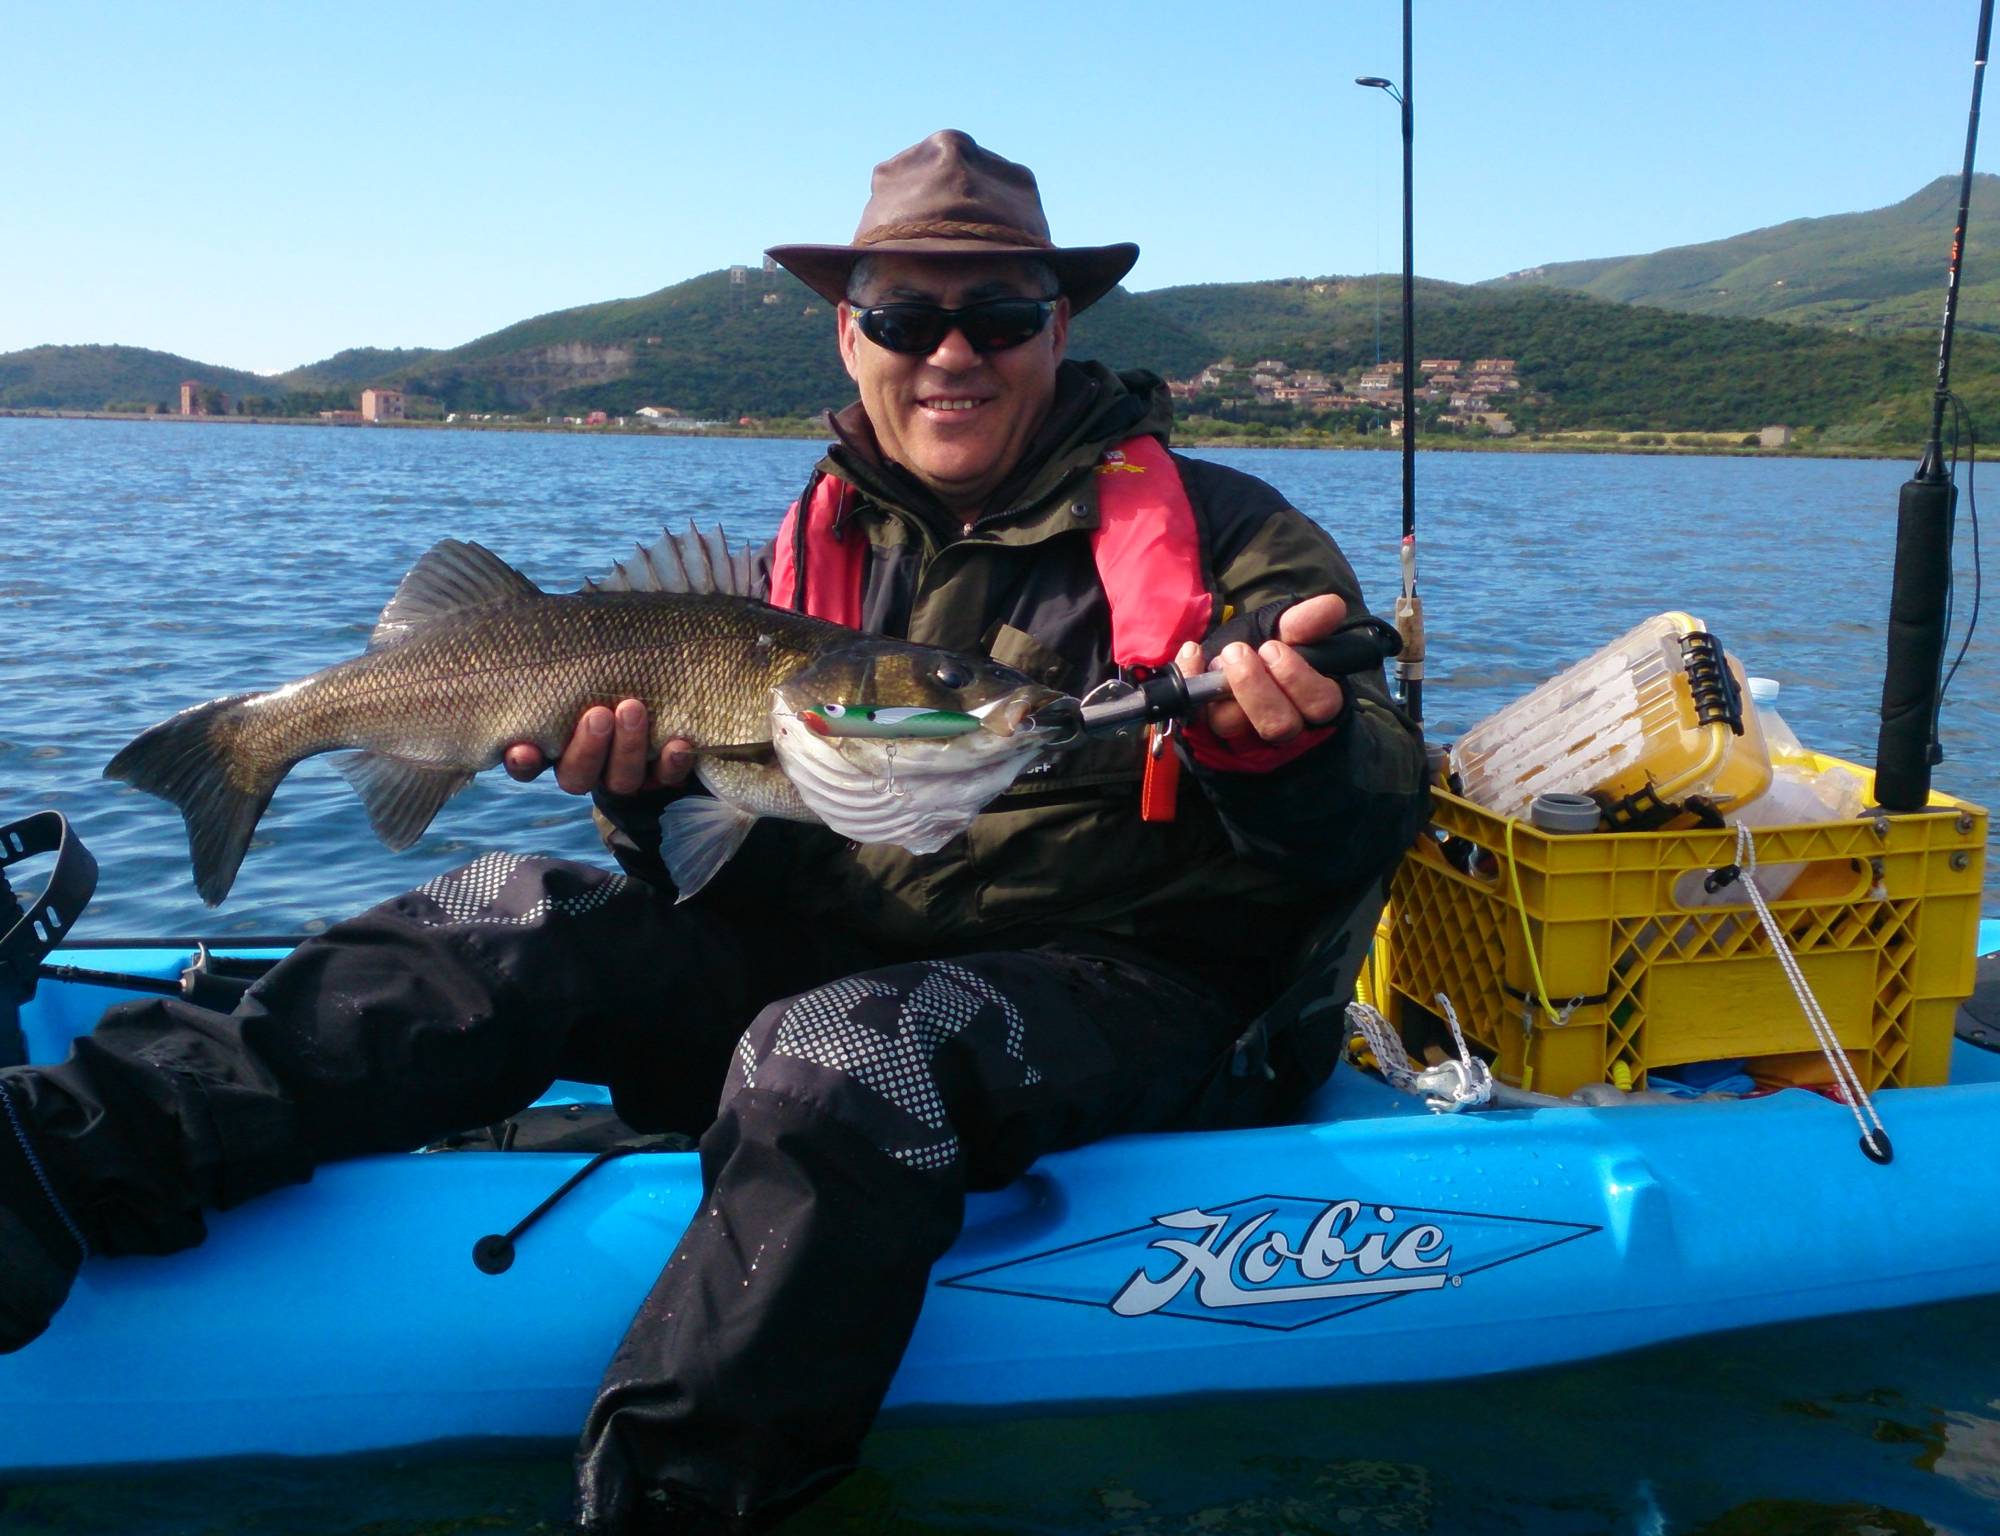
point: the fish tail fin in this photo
(196, 760)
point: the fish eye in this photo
(953, 674)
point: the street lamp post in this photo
(1409, 666)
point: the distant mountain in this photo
(90, 378)
(717, 348)
(1882, 270)
(356, 368)
(737, 342)
(1588, 362)
(709, 347)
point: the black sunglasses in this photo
(917, 330)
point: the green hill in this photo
(90, 378)
(95, 378)
(1882, 270)
(355, 368)
(707, 347)
(1593, 363)
(1622, 355)
(711, 349)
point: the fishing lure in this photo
(892, 720)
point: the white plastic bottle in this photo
(1779, 739)
(1800, 793)
(1795, 767)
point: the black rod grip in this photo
(1352, 651)
(1362, 649)
(1917, 606)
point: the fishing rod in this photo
(1407, 668)
(1919, 603)
(1360, 645)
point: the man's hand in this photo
(1273, 691)
(607, 750)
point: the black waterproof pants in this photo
(867, 1095)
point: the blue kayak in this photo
(1374, 1243)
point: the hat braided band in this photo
(953, 229)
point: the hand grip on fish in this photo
(470, 657)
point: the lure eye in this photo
(952, 674)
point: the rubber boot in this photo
(41, 1247)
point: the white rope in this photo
(1844, 1074)
(1448, 1087)
(1457, 1032)
(1472, 1083)
(1385, 1044)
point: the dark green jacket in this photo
(1252, 859)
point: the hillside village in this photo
(1451, 395)
(1459, 397)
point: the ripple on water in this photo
(191, 510)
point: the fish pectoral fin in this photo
(698, 835)
(742, 752)
(450, 577)
(402, 797)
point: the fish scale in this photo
(470, 657)
(701, 664)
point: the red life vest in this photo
(1147, 547)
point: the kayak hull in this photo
(1375, 1244)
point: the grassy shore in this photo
(1190, 435)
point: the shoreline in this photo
(1575, 441)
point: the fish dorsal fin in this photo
(451, 577)
(681, 562)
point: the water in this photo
(146, 566)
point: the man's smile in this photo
(955, 417)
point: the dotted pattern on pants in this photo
(824, 1027)
(475, 894)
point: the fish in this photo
(790, 716)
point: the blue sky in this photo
(262, 185)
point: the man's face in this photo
(955, 419)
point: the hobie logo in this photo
(1248, 1270)
(1273, 1261)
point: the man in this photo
(1084, 961)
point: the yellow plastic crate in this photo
(1883, 921)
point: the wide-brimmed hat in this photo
(948, 198)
